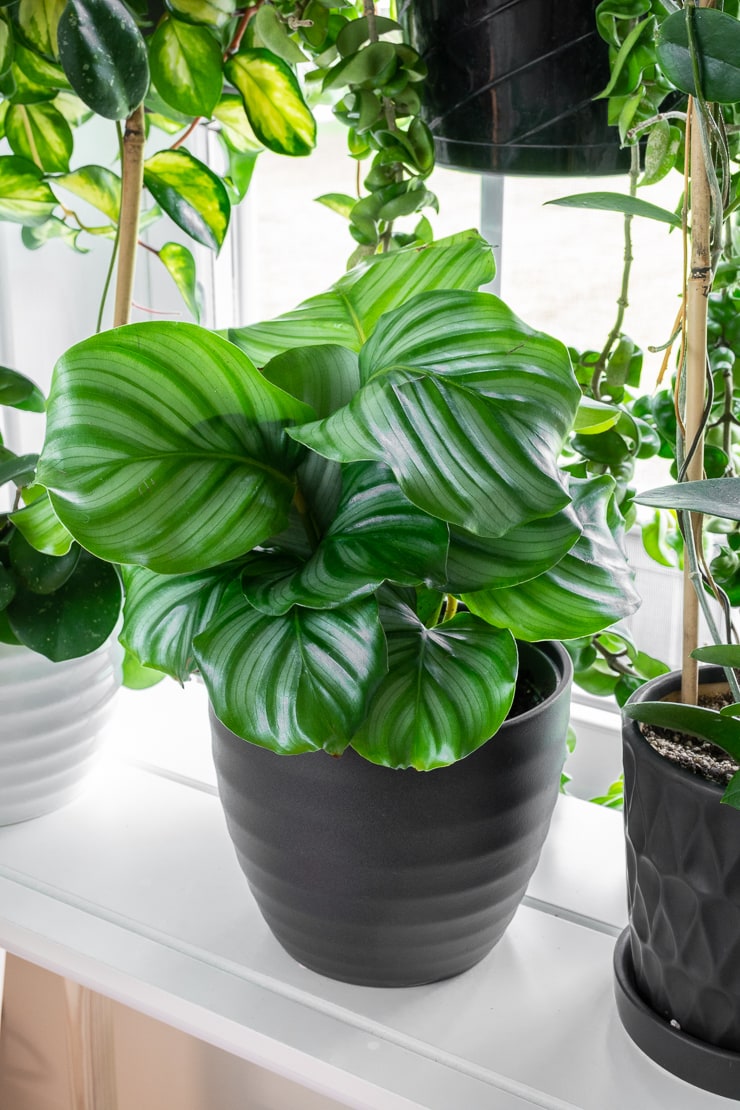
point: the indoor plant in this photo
(677, 987)
(303, 535)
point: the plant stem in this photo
(698, 288)
(128, 220)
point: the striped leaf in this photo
(351, 309)
(479, 562)
(280, 117)
(6, 48)
(325, 377)
(376, 535)
(96, 185)
(25, 198)
(162, 614)
(180, 265)
(40, 134)
(186, 67)
(191, 194)
(441, 373)
(215, 13)
(166, 448)
(447, 690)
(294, 683)
(104, 56)
(39, 20)
(41, 526)
(589, 589)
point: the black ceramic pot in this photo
(511, 85)
(678, 963)
(396, 878)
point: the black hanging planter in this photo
(396, 878)
(677, 965)
(511, 85)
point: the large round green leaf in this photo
(75, 619)
(186, 66)
(191, 194)
(589, 589)
(41, 134)
(349, 312)
(376, 535)
(294, 683)
(467, 405)
(448, 689)
(162, 614)
(273, 101)
(718, 47)
(166, 448)
(104, 56)
(25, 198)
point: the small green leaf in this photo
(595, 416)
(39, 20)
(104, 56)
(618, 202)
(241, 167)
(214, 13)
(186, 67)
(713, 496)
(180, 265)
(19, 392)
(273, 101)
(53, 228)
(295, 683)
(718, 46)
(41, 134)
(724, 655)
(731, 796)
(41, 527)
(191, 194)
(75, 619)
(447, 691)
(661, 149)
(237, 129)
(273, 33)
(340, 203)
(19, 469)
(25, 198)
(6, 46)
(368, 68)
(357, 32)
(96, 185)
(138, 677)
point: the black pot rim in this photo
(666, 683)
(698, 1062)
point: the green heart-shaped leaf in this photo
(447, 690)
(104, 56)
(165, 447)
(294, 683)
(162, 613)
(441, 373)
(718, 47)
(186, 66)
(180, 265)
(97, 185)
(589, 589)
(280, 117)
(191, 195)
(25, 198)
(19, 392)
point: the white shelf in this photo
(134, 890)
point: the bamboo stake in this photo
(697, 293)
(90, 1047)
(133, 177)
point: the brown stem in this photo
(186, 133)
(131, 186)
(698, 288)
(241, 27)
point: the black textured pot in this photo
(678, 963)
(395, 878)
(511, 85)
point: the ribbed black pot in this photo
(395, 878)
(677, 964)
(511, 85)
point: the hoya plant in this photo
(343, 518)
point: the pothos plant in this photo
(682, 59)
(156, 70)
(168, 71)
(303, 533)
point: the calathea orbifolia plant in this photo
(170, 70)
(55, 598)
(302, 534)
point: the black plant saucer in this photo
(702, 1064)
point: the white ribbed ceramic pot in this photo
(51, 719)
